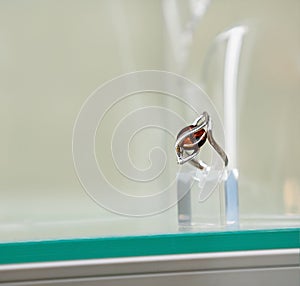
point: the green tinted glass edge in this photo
(128, 246)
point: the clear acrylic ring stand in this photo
(198, 210)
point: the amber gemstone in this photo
(192, 138)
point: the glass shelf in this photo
(129, 246)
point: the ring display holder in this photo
(219, 210)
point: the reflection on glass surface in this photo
(52, 56)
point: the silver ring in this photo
(192, 137)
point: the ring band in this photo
(191, 138)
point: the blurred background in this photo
(54, 54)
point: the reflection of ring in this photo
(191, 138)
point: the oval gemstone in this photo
(194, 137)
